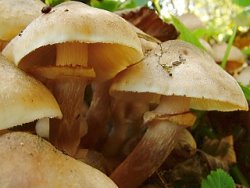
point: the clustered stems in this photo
(127, 120)
(147, 157)
(154, 147)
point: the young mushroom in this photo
(15, 15)
(236, 58)
(67, 48)
(181, 76)
(29, 161)
(22, 98)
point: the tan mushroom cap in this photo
(29, 161)
(191, 21)
(22, 98)
(234, 55)
(182, 70)
(111, 38)
(15, 15)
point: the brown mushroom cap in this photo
(110, 38)
(29, 161)
(15, 15)
(178, 68)
(22, 98)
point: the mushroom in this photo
(244, 76)
(181, 76)
(67, 48)
(29, 161)
(235, 60)
(22, 98)
(191, 21)
(15, 15)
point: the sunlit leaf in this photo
(54, 2)
(243, 3)
(141, 2)
(185, 33)
(218, 179)
(110, 5)
(246, 51)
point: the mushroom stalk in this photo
(98, 115)
(66, 133)
(155, 146)
(127, 118)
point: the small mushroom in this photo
(191, 21)
(182, 77)
(15, 15)
(29, 161)
(244, 76)
(235, 60)
(22, 98)
(67, 50)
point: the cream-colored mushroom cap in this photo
(113, 44)
(180, 69)
(191, 21)
(29, 161)
(234, 55)
(15, 15)
(22, 98)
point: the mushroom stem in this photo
(66, 133)
(42, 127)
(127, 118)
(156, 144)
(98, 115)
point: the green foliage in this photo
(218, 179)
(185, 33)
(246, 91)
(54, 2)
(113, 5)
(243, 3)
(246, 51)
(229, 46)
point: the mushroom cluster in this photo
(136, 108)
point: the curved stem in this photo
(149, 154)
(157, 142)
(66, 133)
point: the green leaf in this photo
(185, 33)
(110, 5)
(246, 91)
(54, 2)
(243, 3)
(229, 46)
(218, 179)
(141, 2)
(205, 32)
(246, 51)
